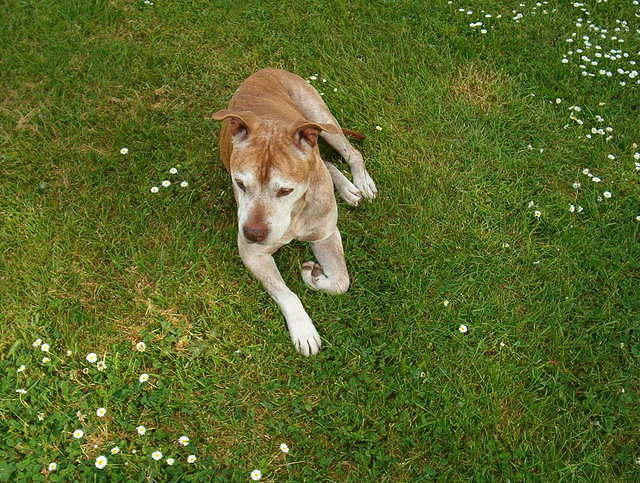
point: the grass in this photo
(93, 262)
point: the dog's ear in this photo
(307, 132)
(241, 123)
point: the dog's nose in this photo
(255, 232)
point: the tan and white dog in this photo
(283, 189)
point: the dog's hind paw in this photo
(365, 184)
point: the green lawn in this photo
(544, 386)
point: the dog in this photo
(285, 191)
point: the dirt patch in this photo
(478, 85)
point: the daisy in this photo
(37, 342)
(155, 189)
(46, 360)
(611, 156)
(21, 391)
(100, 412)
(445, 303)
(141, 346)
(69, 353)
(78, 433)
(502, 344)
(537, 214)
(143, 377)
(101, 366)
(184, 184)
(191, 458)
(170, 461)
(40, 416)
(21, 368)
(53, 466)
(173, 171)
(595, 179)
(156, 455)
(92, 357)
(256, 475)
(558, 100)
(576, 185)
(530, 205)
(607, 194)
(101, 462)
(124, 151)
(585, 171)
(636, 156)
(284, 448)
(580, 209)
(378, 128)
(141, 430)
(166, 183)
(44, 347)
(115, 450)
(463, 329)
(572, 208)
(638, 218)
(183, 440)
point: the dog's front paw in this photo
(304, 336)
(311, 274)
(365, 184)
(350, 194)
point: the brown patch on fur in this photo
(477, 85)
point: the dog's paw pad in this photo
(312, 272)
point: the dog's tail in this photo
(353, 134)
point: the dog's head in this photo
(271, 165)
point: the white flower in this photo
(595, 179)
(576, 185)
(638, 218)
(155, 189)
(141, 430)
(636, 156)
(141, 346)
(124, 151)
(143, 377)
(156, 455)
(611, 156)
(37, 342)
(100, 412)
(101, 365)
(115, 450)
(445, 303)
(40, 416)
(530, 205)
(284, 448)
(21, 391)
(580, 209)
(183, 440)
(572, 208)
(585, 171)
(46, 360)
(378, 128)
(184, 184)
(44, 347)
(502, 344)
(537, 214)
(483, 31)
(170, 461)
(92, 357)
(607, 194)
(101, 462)
(173, 171)
(558, 100)
(313, 77)
(21, 368)
(256, 475)
(69, 353)
(191, 458)
(463, 329)
(166, 183)
(53, 466)
(78, 433)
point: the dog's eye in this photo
(241, 185)
(284, 191)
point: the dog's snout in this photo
(255, 232)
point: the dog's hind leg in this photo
(314, 109)
(330, 273)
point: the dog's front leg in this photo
(260, 263)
